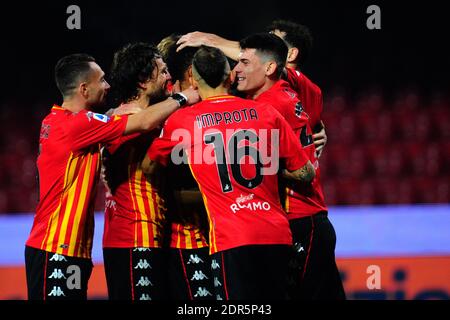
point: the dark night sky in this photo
(408, 50)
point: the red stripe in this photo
(309, 247)
(131, 274)
(224, 278)
(185, 275)
(45, 275)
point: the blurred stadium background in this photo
(386, 170)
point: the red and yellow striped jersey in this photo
(134, 210)
(69, 168)
(184, 236)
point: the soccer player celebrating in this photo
(299, 40)
(189, 265)
(258, 73)
(58, 250)
(135, 264)
(232, 149)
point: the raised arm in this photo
(197, 39)
(154, 115)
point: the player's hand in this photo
(191, 95)
(320, 140)
(127, 108)
(176, 87)
(195, 39)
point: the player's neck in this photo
(143, 101)
(206, 93)
(267, 85)
(292, 65)
(74, 104)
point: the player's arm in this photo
(320, 138)
(304, 174)
(154, 115)
(298, 165)
(196, 39)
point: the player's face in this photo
(158, 88)
(97, 87)
(250, 72)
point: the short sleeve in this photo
(290, 148)
(89, 128)
(161, 148)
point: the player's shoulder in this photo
(310, 84)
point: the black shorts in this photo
(52, 276)
(136, 273)
(190, 276)
(313, 271)
(251, 272)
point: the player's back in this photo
(233, 156)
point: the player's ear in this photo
(271, 67)
(232, 76)
(190, 76)
(293, 53)
(83, 89)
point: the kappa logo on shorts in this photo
(56, 292)
(218, 297)
(141, 249)
(217, 282)
(143, 264)
(58, 257)
(57, 274)
(202, 292)
(145, 297)
(144, 282)
(193, 258)
(199, 275)
(214, 264)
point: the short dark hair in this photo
(177, 62)
(71, 69)
(297, 35)
(211, 64)
(132, 64)
(268, 44)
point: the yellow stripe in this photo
(141, 205)
(132, 197)
(178, 236)
(80, 206)
(286, 202)
(212, 234)
(53, 222)
(188, 239)
(67, 213)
